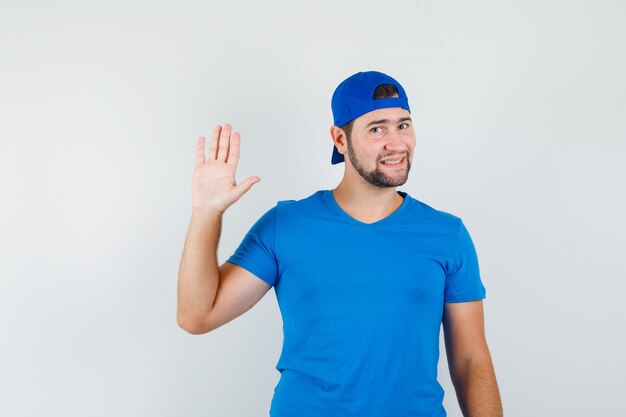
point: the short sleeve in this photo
(463, 281)
(256, 251)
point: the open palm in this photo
(213, 183)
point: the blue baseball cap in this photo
(355, 96)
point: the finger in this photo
(222, 149)
(233, 151)
(244, 186)
(200, 151)
(214, 140)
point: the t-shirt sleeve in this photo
(256, 251)
(463, 281)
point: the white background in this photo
(520, 113)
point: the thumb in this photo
(243, 187)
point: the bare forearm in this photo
(198, 275)
(477, 389)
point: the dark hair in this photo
(382, 91)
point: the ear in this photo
(339, 139)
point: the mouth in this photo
(394, 163)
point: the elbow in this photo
(194, 327)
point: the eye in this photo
(376, 130)
(404, 126)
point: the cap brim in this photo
(337, 157)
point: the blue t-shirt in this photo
(361, 304)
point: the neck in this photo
(366, 202)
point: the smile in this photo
(394, 163)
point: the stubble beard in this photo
(377, 177)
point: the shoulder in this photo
(310, 203)
(283, 206)
(429, 214)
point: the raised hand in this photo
(213, 183)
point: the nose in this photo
(395, 143)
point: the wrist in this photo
(206, 212)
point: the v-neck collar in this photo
(391, 216)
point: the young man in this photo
(364, 275)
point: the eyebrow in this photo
(381, 121)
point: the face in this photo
(381, 146)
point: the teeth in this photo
(392, 162)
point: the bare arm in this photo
(198, 275)
(213, 191)
(469, 360)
